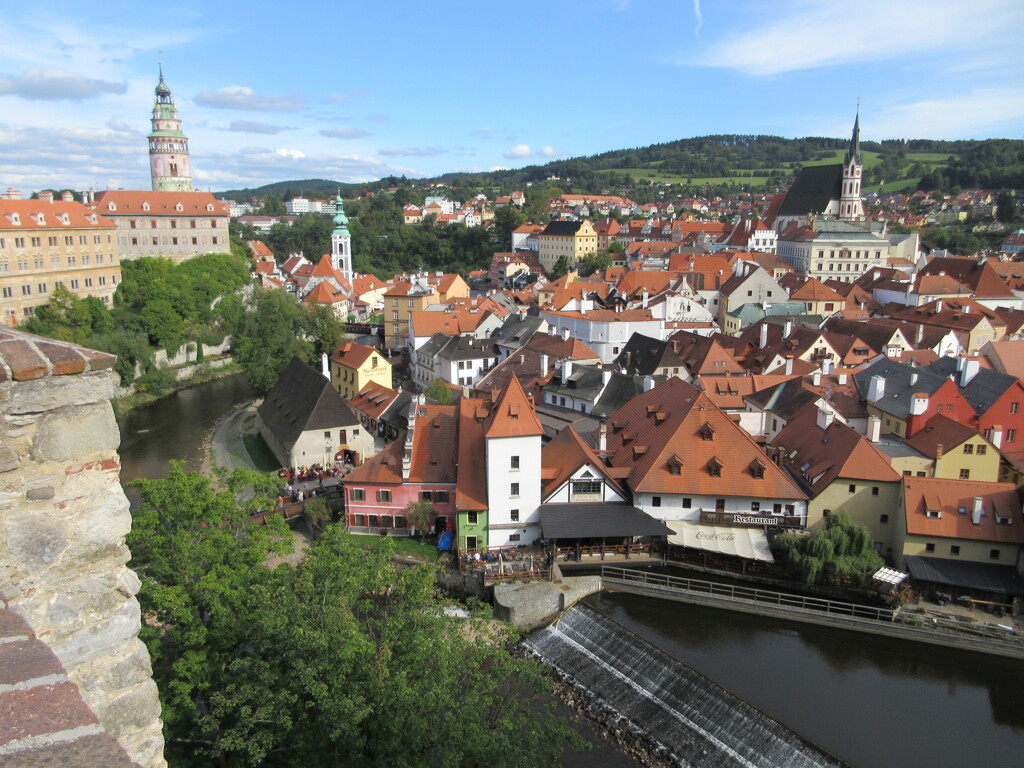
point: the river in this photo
(875, 702)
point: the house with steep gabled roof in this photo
(839, 469)
(684, 459)
(304, 421)
(353, 366)
(957, 451)
(422, 467)
(382, 410)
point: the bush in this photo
(158, 380)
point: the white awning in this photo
(748, 543)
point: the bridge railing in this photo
(658, 582)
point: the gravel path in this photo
(226, 448)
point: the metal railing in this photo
(663, 583)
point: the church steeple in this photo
(851, 207)
(169, 162)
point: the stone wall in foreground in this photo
(63, 522)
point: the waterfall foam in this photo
(698, 722)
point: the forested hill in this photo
(724, 163)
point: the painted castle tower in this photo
(169, 162)
(341, 242)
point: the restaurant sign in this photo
(756, 520)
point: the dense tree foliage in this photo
(842, 554)
(278, 328)
(341, 660)
(991, 164)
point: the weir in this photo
(699, 722)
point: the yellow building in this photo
(400, 301)
(945, 524)
(571, 239)
(957, 451)
(45, 243)
(353, 366)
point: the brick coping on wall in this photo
(24, 356)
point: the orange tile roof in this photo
(564, 455)
(666, 424)
(513, 414)
(132, 202)
(353, 355)
(43, 214)
(324, 293)
(428, 322)
(374, 399)
(434, 447)
(259, 249)
(948, 496)
(383, 468)
(471, 490)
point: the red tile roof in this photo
(133, 202)
(42, 214)
(948, 497)
(513, 414)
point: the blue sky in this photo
(356, 91)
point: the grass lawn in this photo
(896, 186)
(404, 545)
(259, 452)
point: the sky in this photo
(269, 91)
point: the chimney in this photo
(816, 378)
(913, 378)
(764, 335)
(876, 389)
(938, 306)
(940, 451)
(543, 364)
(841, 379)
(825, 417)
(566, 369)
(919, 335)
(874, 428)
(919, 403)
(643, 301)
(67, 196)
(789, 365)
(606, 376)
(977, 510)
(648, 383)
(551, 330)
(996, 437)
(565, 333)
(787, 329)
(325, 367)
(969, 371)
(602, 438)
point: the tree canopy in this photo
(842, 554)
(341, 660)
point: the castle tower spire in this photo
(169, 163)
(341, 241)
(851, 207)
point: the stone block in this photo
(101, 635)
(132, 711)
(8, 459)
(55, 392)
(72, 433)
(40, 494)
(37, 542)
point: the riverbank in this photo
(201, 373)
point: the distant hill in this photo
(720, 164)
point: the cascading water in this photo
(699, 722)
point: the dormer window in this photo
(675, 465)
(179, 207)
(707, 432)
(145, 206)
(111, 206)
(209, 207)
(714, 467)
(757, 469)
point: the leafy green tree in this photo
(165, 327)
(269, 336)
(842, 554)
(561, 267)
(69, 317)
(506, 219)
(439, 391)
(342, 660)
(420, 515)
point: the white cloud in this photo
(252, 126)
(795, 37)
(698, 15)
(518, 152)
(294, 154)
(341, 132)
(410, 152)
(548, 152)
(241, 97)
(57, 85)
(981, 113)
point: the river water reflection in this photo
(176, 427)
(873, 701)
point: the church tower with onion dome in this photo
(169, 163)
(341, 241)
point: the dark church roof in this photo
(303, 400)
(815, 187)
